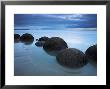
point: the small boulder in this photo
(16, 38)
(36, 39)
(71, 58)
(43, 38)
(91, 53)
(27, 38)
(39, 43)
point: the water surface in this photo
(30, 60)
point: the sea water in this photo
(30, 60)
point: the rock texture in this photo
(91, 53)
(55, 44)
(27, 38)
(16, 38)
(39, 43)
(71, 58)
(43, 38)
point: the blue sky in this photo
(56, 20)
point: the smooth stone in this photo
(91, 53)
(72, 58)
(55, 44)
(27, 39)
(36, 39)
(43, 38)
(16, 38)
(39, 43)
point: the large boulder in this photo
(54, 44)
(43, 38)
(91, 53)
(71, 58)
(27, 38)
(16, 38)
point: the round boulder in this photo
(16, 38)
(55, 44)
(36, 39)
(71, 58)
(39, 43)
(91, 53)
(43, 38)
(27, 38)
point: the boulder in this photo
(16, 38)
(27, 38)
(39, 43)
(55, 44)
(71, 58)
(43, 38)
(36, 39)
(91, 53)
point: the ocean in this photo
(30, 60)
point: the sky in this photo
(55, 21)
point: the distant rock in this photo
(91, 53)
(71, 58)
(40, 43)
(27, 38)
(36, 39)
(16, 38)
(55, 44)
(43, 38)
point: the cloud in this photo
(67, 17)
(57, 20)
